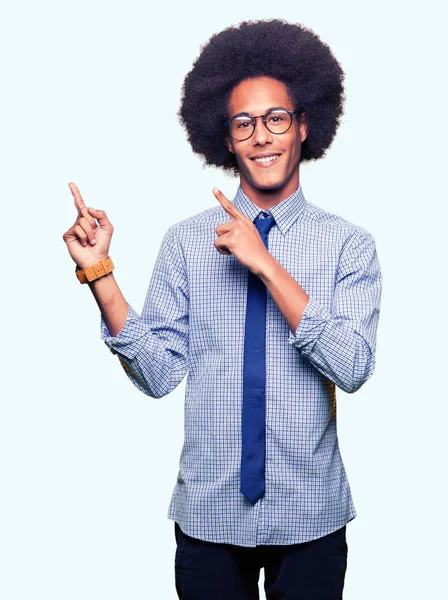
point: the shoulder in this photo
(205, 221)
(331, 223)
(184, 236)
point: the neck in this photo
(269, 197)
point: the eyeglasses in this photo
(277, 120)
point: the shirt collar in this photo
(285, 212)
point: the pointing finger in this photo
(228, 206)
(79, 202)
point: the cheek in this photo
(295, 151)
(239, 157)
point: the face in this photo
(266, 181)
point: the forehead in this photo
(257, 95)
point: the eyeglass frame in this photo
(263, 118)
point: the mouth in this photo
(265, 159)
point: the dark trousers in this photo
(310, 571)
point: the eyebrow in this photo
(246, 114)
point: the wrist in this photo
(101, 281)
(266, 268)
(99, 269)
(89, 262)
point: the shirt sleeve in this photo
(153, 348)
(341, 342)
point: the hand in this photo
(240, 237)
(88, 239)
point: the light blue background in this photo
(88, 464)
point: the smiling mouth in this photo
(266, 159)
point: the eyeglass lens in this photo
(242, 126)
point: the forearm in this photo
(340, 349)
(153, 348)
(111, 302)
(331, 344)
(288, 295)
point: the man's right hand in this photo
(88, 239)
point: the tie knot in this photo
(264, 225)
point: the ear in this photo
(303, 127)
(229, 144)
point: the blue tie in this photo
(254, 382)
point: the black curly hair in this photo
(273, 48)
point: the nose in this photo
(261, 135)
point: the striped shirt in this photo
(193, 322)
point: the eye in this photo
(276, 118)
(242, 123)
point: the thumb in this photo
(102, 219)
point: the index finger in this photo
(228, 206)
(79, 202)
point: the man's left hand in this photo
(240, 237)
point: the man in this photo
(267, 303)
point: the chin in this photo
(273, 185)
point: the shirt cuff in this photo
(130, 340)
(311, 326)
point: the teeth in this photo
(266, 159)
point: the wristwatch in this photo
(104, 267)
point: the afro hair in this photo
(274, 48)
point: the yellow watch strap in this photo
(99, 269)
